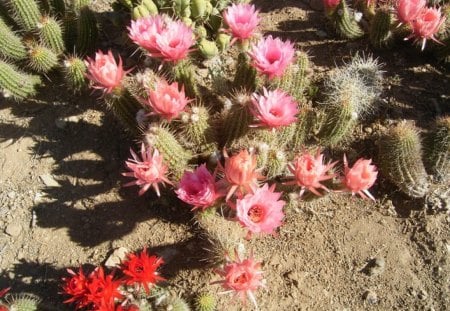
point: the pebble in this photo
(49, 181)
(11, 194)
(13, 229)
(422, 295)
(371, 297)
(376, 266)
(368, 130)
(117, 256)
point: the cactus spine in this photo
(11, 46)
(75, 70)
(401, 160)
(42, 59)
(208, 48)
(23, 302)
(125, 107)
(26, 13)
(245, 76)
(205, 302)
(237, 118)
(380, 34)
(15, 83)
(51, 34)
(198, 130)
(87, 31)
(345, 23)
(276, 163)
(58, 7)
(438, 150)
(183, 73)
(175, 156)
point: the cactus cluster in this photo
(41, 37)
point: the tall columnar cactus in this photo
(437, 150)
(205, 302)
(87, 31)
(400, 156)
(11, 46)
(380, 33)
(276, 163)
(23, 302)
(175, 156)
(42, 59)
(237, 118)
(245, 76)
(26, 13)
(184, 73)
(51, 34)
(17, 84)
(197, 129)
(125, 107)
(296, 134)
(75, 71)
(345, 23)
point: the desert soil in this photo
(62, 204)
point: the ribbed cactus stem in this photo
(295, 81)
(205, 302)
(437, 154)
(78, 5)
(184, 73)
(51, 34)
(26, 13)
(23, 302)
(380, 33)
(125, 108)
(198, 8)
(182, 8)
(295, 135)
(58, 7)
(237, 118)
(151, 6)
(42, 59)
(176, 303)
(245, 76)
(262, 153)
(75, 70)
(401, 160)
(198, 130)
(70, 31)
(87, 31)
(11, 46)
(174, 154)
(208, 48)
(17, 84)
(276, 163)
(345, 23)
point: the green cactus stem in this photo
(125, 108)
(26, 13)
(87, 31)
(174, 303)
(42, 59)
(70, 31)
(75, 70)
(183, 72)
(223, 41)
(208, 48)
(205, 302)
(237, 118)
(198, 8)
(245, 76)
(175, 156)
(151, 6)
(197, 129)
(17, 84)
(11, 46)
(380, 33)
(182, 8)
(345, 23)
(276, 163)
(51, 34)
(23, 302)
(437, 153)
(58, 7)
(78, 5)
(295, 135)
(400, 156)
(139, 11)
(295, 81)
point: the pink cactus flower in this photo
(272, 56)
(427, 24)
(274, 108)
(104, 72)
(149, 172)
(240, 173)
(360, 177)
(199, 188)
(144, 32)
(242, 19)
(242, 277)
(175, 41)
(408, 10)
(309, 172)
(330, 4)
(261, 211)
(167, 100)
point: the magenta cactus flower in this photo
(242, 277)
(104, 72)
(166, 100)
(360, 177)
(274, 108)
(144, 32)
(242, 20)
(329, 5)
(149, 170)
(261, 211)
(427, 24)
(408, 10)
(199, 188)
(175, 41)
(272, 56)
(309, 171)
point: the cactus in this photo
(183, 73)
(205, 302)
(11, 47)
(295, 81)
(237, 118)
(175, 156)
(125, 108)
(139, 11)
(208, 48)
(223, 41)
(173, 303)
(78, 5)
(26, 13)
(15, 83)
(276, 163)
(345, 23)
(58, 7)
(150, 6)
(87, 31)
(23, 302)
(380, 33)
(75, 69)
(245, 76)
(198, 8)
(51, 34)
(182, 8)
(70, 31)
(400, 156)
(42, 59)
(295, 135)
(198, 131)
(437, 151)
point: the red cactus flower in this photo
(4, 291)
(102, 290)
(360, 177)
(142, 269)
(75, 286)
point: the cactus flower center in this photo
(256, 213)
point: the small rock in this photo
(368, 130)
(11, 194)
(49, 181)
(375, 266)
(117, 256)
(422, 295)
(321, 34)
(370, 297)
(13, 229)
